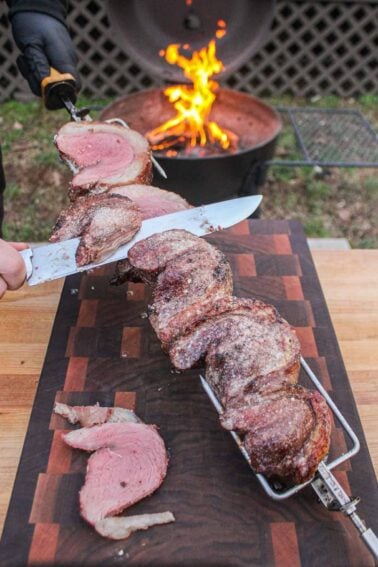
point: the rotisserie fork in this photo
(325, 484)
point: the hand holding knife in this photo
(52, 261)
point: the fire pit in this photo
(209, 178)
(211, 141)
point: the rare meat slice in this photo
(187, 289)
(148, 257)
(105, 155)
(287, 431)
(95, 415)
(243, 348)
(104, 222)
(152, 201)
(129, 463)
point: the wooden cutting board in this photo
(102, 349)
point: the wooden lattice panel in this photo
(313, 48)
(316, 48)
(8, 69)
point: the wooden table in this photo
(349, 280)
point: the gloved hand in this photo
(44, 42)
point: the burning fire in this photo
(191, 124)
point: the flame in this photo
(221, 31)
(192, 103)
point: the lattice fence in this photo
(313, 48)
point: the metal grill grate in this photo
(330, 137)
(314, 47)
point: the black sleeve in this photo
(55, 8)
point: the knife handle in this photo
(56, 87)
(27, 256)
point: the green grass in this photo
(314, 227)
(318, 190)
(370, 185)
(48, 158)
(368, 102)
(12, 192)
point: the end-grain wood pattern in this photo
(103, 349)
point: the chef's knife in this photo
(53, 261)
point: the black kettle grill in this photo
(143, 29)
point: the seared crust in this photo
(287, 431)
(243, 343)
(152, 255)
(187, 290)
(148, 257)
(104, 222)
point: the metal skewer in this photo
(327, 488)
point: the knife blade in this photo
(53, 261)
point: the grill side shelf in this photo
(328, 137)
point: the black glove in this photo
(44, 42)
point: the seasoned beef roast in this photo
(106, 155)
(129, 463)
(251, 354)
(104, 222)
(287, 431)
(187, 289)
(95, 415)
(192, 276)
(242, 346)
(152, 201)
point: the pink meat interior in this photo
(95, 148)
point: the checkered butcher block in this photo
(102, 349)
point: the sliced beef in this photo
(242, 346)
(104, 222)
(95, 415)
(129, 463)
(287, 431)
(152, 201)
(105, 155)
